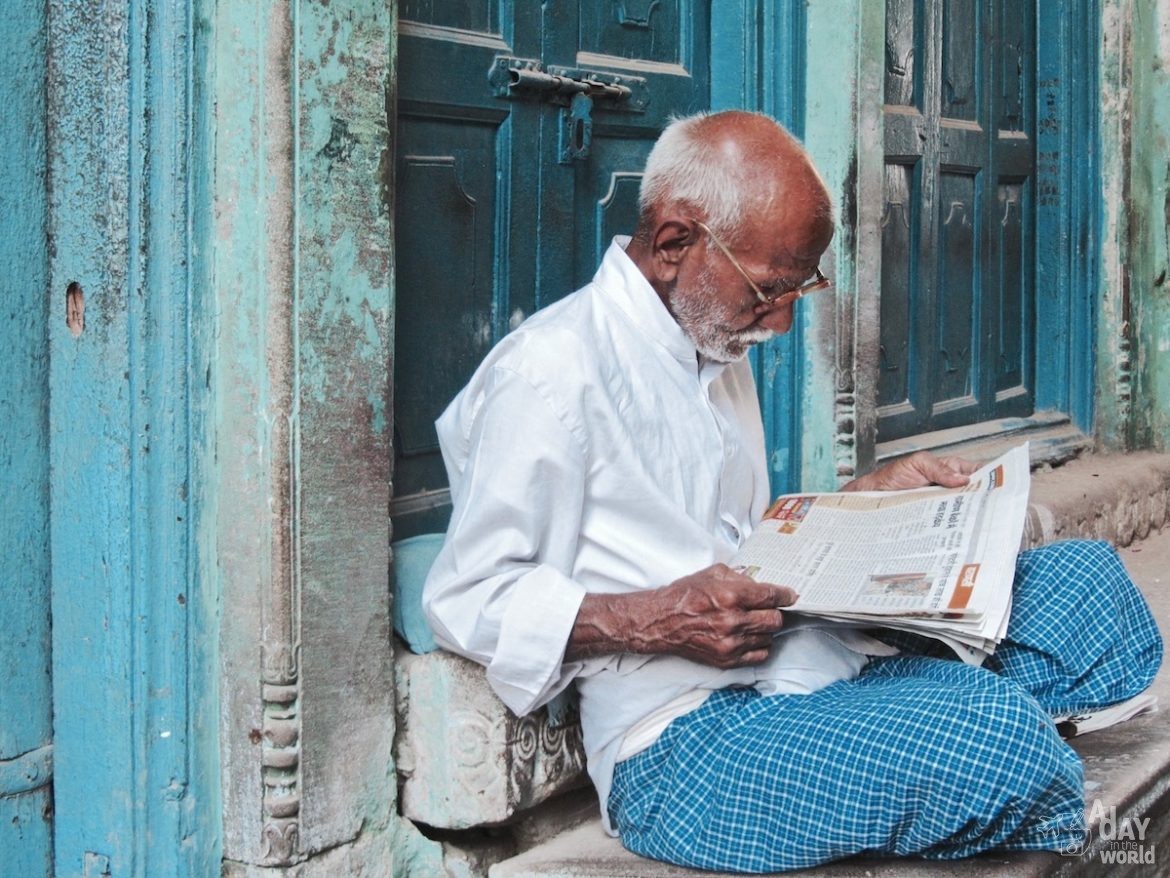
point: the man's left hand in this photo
(919, 470)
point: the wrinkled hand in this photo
(718, 617)
(919, 470)
(715, 616)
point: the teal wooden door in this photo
(957, 300)
(509, 183)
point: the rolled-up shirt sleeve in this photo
(500, 591)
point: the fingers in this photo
(721, 617)
(961, 464)
(766, 622)
(750, 649)
(922, 469)
(753, 595)
(765, 595)
(916, 471)
(947, 477)
(755, 657)
(950, 472)
(784, 596)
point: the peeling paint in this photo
(75, 309)
(846, 135)
(1149, 226)
(302, 379)
(1113, 394)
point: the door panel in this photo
(1014, 203)
(493, 219)
(1015, 223)
(961, 57)
(901, 283)
(471, 15)
(958, 232)
(604, 201)
(464, 256)
(634, 29)
(956, 280)
(445, 288)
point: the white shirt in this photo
(593, 452)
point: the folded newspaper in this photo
(1073, 724)
(933, 561)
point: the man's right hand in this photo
(716, 617)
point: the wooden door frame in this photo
(219, 438)
(135, 780)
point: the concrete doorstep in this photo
(1127, 767)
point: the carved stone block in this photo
(463, 758)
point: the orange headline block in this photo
(964, 587)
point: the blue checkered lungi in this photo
(919, 755)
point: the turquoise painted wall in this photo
(844, 41)
(1149, 214)
(25, 685)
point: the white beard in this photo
(698, 312)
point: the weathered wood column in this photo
(302, 242)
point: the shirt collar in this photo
(628, 288)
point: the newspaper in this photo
(1082, 723)
(933, 561)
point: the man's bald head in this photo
(733, 216)
(731, 169)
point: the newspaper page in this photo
(936, 561)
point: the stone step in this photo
(1127, 768)
(1112, 497)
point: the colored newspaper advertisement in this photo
(933, 561)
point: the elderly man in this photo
(607, 459)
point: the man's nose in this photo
(779, 320)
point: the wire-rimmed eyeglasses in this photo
(772, 298)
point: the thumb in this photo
(950, 478)
(941, 472)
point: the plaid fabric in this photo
(918, 756)
(1081, 634)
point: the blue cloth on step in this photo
(919, 755)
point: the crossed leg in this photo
(918, 756)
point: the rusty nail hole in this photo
(182, 600)
(254, 736)
(75, 308)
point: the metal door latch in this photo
(573, 89)
(518, 78)
(524, 79)
(576, 130)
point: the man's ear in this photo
(669, 244)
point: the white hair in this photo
(686, 167)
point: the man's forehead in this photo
(794, 235)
